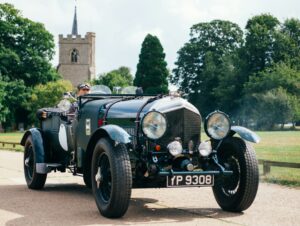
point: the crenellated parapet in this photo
(88, 38)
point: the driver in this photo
(82, 89)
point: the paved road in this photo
(66, 201)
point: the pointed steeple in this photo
(74, 27)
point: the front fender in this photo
(38, 147)
(246, 134)
(116, 133)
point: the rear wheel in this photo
(236, 193)
(33, 179)
(111, 178)
(87, 176)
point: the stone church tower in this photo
(77, 55)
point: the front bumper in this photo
(174, 173)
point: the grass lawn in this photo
(281, 146)
(11, 137)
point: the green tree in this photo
(275, 93)
(125, 73)
(47, 95)
(275, 106)
(289, 47)
(13, 98)
(261, 36)
(272, 63)
(4, 110)
(229, 89)
(152, 72)
(111, 79)
(212, 48)
(26, 48)
(120, 77)
(280, 75)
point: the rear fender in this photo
(38, 147)
(245, 133)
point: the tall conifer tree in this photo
(152, 69)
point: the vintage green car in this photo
(122, 141)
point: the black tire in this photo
(87, 176)
(33, 179)
(111, 178)
(237, 192)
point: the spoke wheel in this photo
(232, 182)
(237, 192)
(29, 162)
(33, 179)
(111, 178)
(103, 178)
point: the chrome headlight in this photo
(217, 125)
(175, 148)
(154, 125)
(205, 148)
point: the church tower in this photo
(77, 55)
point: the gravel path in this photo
(66, 201)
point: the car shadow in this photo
(73, 204)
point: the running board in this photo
(52, 166)
(44, 168)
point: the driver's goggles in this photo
(84, 87)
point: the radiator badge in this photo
(88, 127)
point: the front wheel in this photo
(33, 179)
(111, 178)
(237, 192)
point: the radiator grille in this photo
(184, 124)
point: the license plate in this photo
(190, 181)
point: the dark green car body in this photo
(106, 136)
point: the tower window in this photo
(74, 56)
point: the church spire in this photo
(74, 27)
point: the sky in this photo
(121, 25)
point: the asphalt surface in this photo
(66, 201)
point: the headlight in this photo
(205, 148)
(154, 125)
(175, 148)
(217, 125)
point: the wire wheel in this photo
(29, 162)
(33, 179)
(103, 178)
(111, 178)
(237, 192)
